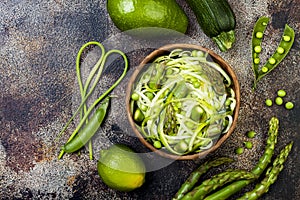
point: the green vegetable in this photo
(269, 102)
(251, 134)
(282, 50)
(271, 175)
(217, 181)
(239, 150)
(137, 14)
(217, 20)
(87, 89)
(89, 129)
(289, 105)
(196, 174)
(279, 101)
(185, 117)
(263, 162)
(281, 93)
(248, 144)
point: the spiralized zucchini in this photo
(183, 102)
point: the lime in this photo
(120, 168)
(133, 14)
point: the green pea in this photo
(264, 69)
(196, 113)
(150, 95)
(196, 84)
(135, 96)
(256, 61)
(281, 93)
(196, 53)
(280, 50)
(251, 134)
(279, 101)
(138, 115)
(228, 102)
(257, 49)
(248, 144)
(272, 61)
(169, 71)
(259, 34)
(286, 38)
(289, 105)
(239, 150)
(157, 144)
(269, 102)
(181, 147)
(144, 107)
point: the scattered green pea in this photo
(269, 102)
(280, 50)
(279, 101)
(239, 150)
(251, 134)
(259, 34)
(256, 61)
(135, 96)
(248, 144)
(272, 61)
(264, 69)
(157, 144)
(257, 49)
(289, 105)
(286, 38)
(281, 93)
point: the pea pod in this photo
(282, 50)
(89, 129)
(257, 37)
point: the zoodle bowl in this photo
(182, 101)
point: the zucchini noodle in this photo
(183, 100)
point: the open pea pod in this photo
(282, 50)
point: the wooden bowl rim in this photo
(216, 59)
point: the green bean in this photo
(282, 50)
(88, 130)
(197, 173)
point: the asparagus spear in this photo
(263, 162)
(271, 175)
(217, 181)
(195, 175)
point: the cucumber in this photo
(216, 19)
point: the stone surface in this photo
(39, 41)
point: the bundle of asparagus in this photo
(237, 178)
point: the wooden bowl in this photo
(165, 50)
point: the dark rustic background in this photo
(39, 41)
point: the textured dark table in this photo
(39, 41)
